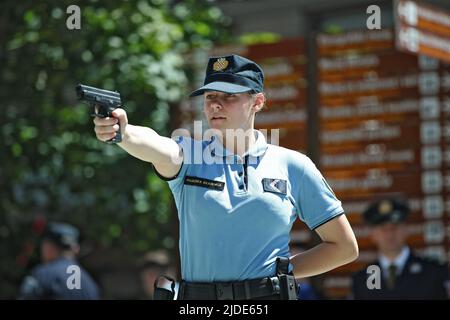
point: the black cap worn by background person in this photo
(232, 74)
(386, 210)
(62, 234)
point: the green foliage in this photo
(52, 166)
(259, 37)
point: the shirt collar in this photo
(256, 150)
(399, 262)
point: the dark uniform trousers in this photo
(420, 279)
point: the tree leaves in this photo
(53, 168)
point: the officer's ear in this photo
(258, 101)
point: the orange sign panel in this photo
(422, 29)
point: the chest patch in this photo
(206, 183)
(274, 185)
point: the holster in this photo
(288, 285)
(162, 293)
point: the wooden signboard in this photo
(355, 42)
(422, 29)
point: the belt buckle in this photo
(224, 291)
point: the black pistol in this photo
(106, 101)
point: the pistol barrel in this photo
(97, 95)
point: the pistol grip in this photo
(117, 138)
(104, 112)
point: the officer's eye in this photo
(230, 95)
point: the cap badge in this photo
(220, 64)
(384, 207)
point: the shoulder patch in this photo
(275, 185)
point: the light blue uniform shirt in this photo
(236, 214)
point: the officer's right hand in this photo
(106, 128)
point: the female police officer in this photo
(236, 205)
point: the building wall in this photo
(289, 18)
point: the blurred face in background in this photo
(148, 277)
(49, 251)
(390, 238)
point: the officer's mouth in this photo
(218, 118)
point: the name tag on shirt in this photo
(275, 185)
(206, 183)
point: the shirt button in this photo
(240, 174)
(241, 187)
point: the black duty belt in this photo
(239, 290)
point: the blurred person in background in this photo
(153, 265)
(306, 291)
(404, 275)
(59, 276)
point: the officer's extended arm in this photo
(141, 142)
(338, 247)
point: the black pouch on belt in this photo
(162, 293)
(288, 285)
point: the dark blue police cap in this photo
(62, 234)
(386, 210)
(232, 74)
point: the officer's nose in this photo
(216, 105)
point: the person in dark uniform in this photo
(404, 275)
(59, 276)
